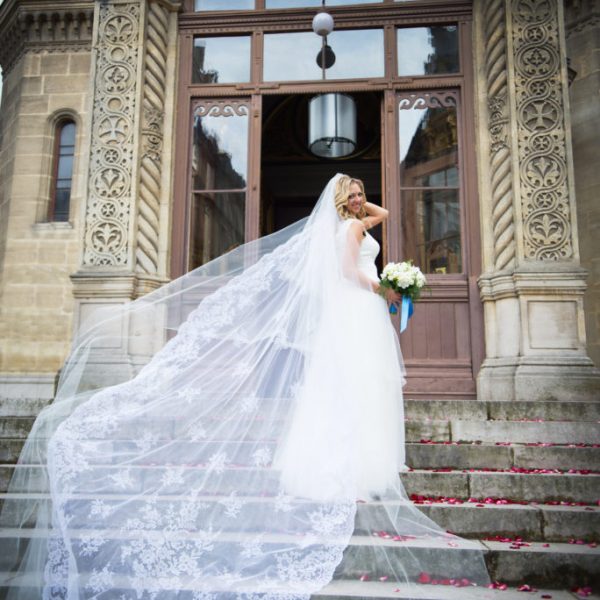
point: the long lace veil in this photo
(156, 472)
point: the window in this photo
(292, 56)
(215, 5)
(223, 59)
(62, 173)
(427, 50)
(219, 179)
(429, 181)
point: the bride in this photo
(252, 446)
(371, 368)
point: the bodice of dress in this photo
(369, 249)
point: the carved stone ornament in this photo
(541, 130)
(112, 147)
(220, 108)
(441, 99)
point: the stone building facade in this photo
(120, 70)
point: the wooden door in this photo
(431, 224)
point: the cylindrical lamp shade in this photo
(332, 125)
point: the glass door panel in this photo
(217, 224)
(429, 182)
(219, 175)
(431, 229)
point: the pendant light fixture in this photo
(332, 125)
(331, 117)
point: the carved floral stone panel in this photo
(541, 130)
(112, 147)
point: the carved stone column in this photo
(126, 232)
(532, 286)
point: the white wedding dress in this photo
(210, 440)
(373, 452)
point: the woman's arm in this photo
(375, 215)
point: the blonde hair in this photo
(342, 191)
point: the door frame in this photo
(389, 16)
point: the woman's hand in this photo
(375, 215)
(391, 296)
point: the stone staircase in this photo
(523, 479)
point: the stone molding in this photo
(508, 285)
(546, 210)
(498, 123)
(153, 116)
(34, 26)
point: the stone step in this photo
(557, 432)
(15, 427)
(10, 449)
(527, 487)
(376, 590)
(386, 590)
(532, 522)
(368, 590)
(516, 486)
(474, 520)
(421, 455)
(467, 409)
(560, 566)
(475, 410)
(21, 407)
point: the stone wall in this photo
(583, 47)
(41, 86)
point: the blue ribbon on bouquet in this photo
(406, 311)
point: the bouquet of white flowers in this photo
(404, 278)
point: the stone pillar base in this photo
(28, 385)
(541, 378)
(126, 340)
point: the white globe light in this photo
(322, 23)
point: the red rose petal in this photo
(424, 578)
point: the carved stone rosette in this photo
(153, 115)
(543, 171)
(113, 141)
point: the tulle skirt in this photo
(346, 435)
